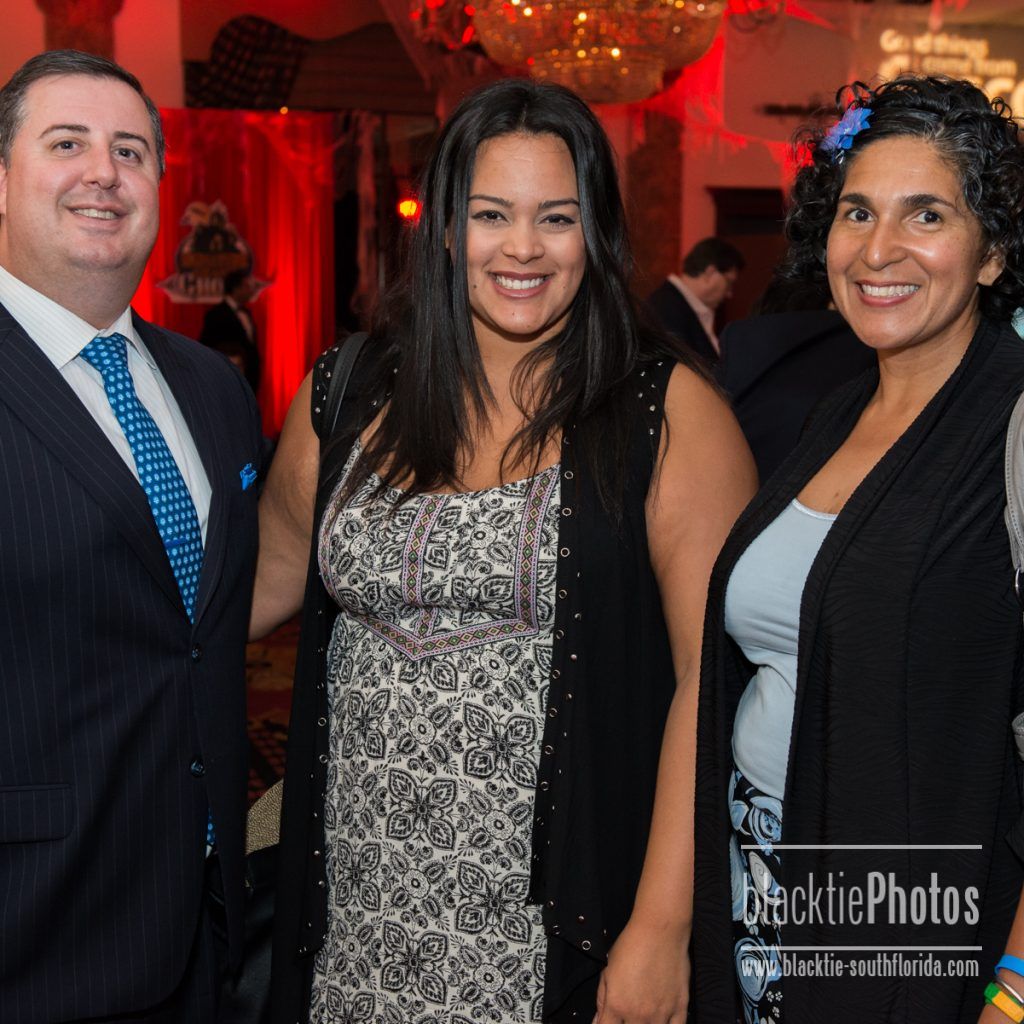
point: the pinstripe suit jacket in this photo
(120, 721)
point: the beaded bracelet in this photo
(996, 997)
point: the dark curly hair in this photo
(978, 137)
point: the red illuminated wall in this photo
(274, 174)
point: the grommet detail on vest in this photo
(552, 712)
(321, 721)
(548, 749)
(652, 408)
(566, 511)
(568, 696)
(585, 944)
(568, 474)
(551, 903)
(323, 759)
(316, 853)
(564, 552)
(572, 657)
(315, 815)
(563, 593)
(321, 884)
(581, 919)
(545, 786)
(316, 409)
(555, 673)
(559, 633)
(578, 616)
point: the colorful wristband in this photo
(1011, 963)
(996, 997)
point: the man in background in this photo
(684, 304)
(781, 361)
(229, 328)
(127, 549)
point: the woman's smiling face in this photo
(905, 253)
(525, 253)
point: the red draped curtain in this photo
(273, 172)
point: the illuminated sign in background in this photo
(988, 57)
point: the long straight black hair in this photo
(426, 371)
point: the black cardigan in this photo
(909, 673)
(610, 687)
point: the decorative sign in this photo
(213, 247)
(984, 56)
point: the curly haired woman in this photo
(858, 789)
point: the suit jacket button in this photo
(197, 768)
(196, 652)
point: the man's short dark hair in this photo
(55, 63)
(712, 252)
(234, 278)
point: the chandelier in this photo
(609, 51)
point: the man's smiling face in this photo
(78, 194)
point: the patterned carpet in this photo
(270, 664)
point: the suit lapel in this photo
(182, 378)
(39, 396)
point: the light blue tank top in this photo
(762, 614)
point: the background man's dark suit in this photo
(224, 331)
(676, 315)
(777, 367)
(121, 721)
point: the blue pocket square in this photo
(248, 475)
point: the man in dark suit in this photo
(778, 366)
(229, 327)
(127, 547)
(684, 304)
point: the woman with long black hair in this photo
(488, 793)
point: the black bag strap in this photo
(348, 353)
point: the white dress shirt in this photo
(705, 314)
(61, 336)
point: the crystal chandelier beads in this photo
(609, 51)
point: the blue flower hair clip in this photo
(840, 136)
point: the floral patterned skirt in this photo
(754, 863)
(437, 677)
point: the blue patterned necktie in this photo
(169, 498)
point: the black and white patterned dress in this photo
(437, 674)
